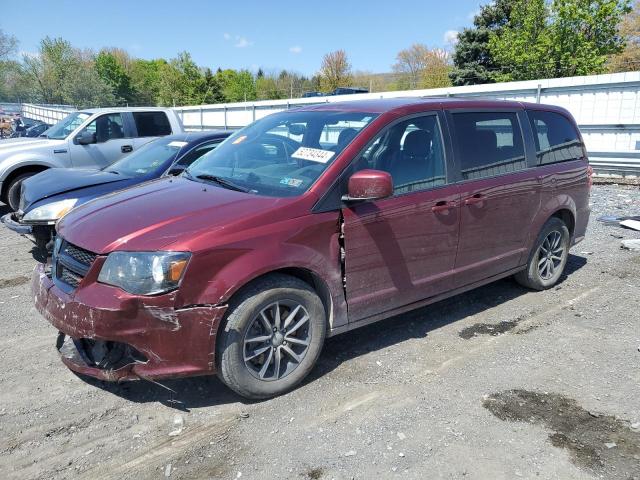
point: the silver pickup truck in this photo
(92, 138)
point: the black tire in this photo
(13, 190)
(44, 240)
(539, 274)
(244, 316)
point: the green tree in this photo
(145, 81)
(421, 67)
(213, 92)
(629, 59)
(472, 60)
(8, 67)
(63, 74)
(560, 39)
(267, 87)
(85, 88)
(335, 71)
(237, 86)
(114, 75)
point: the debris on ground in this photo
(633, 244)
(614, 220)
(632, 224)
(178, 424)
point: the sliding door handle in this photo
(477, 198)
(443, 206)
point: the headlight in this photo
(144, 273)
(51, 211)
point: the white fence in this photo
(607, 108)
(46, 113)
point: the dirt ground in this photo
(498, 383)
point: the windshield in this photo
(147, 158)
(64, 127)
(280, 155)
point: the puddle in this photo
(13, 282)
(493, 329)
(601, 443)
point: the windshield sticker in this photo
(313, 154)
(177, 144)
(291, 182)
(240, 139)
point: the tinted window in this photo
(148, 158)
(282, 154)
(197, 152)
(556, 138)
(106, 127)
(67, 125)
(411, 151)
(152, 124)
(490, 144)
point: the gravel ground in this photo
(497, 383)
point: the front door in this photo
(402, 249)
(111, 143)
(500, 195)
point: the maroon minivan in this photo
(309, 223)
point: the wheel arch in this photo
(311, 278)
(18, 170)
(568, 217)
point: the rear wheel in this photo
(548, 258)
(272, 337)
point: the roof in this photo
(199, 136)
(389, 104)
(124, 109)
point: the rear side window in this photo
(490, 144)
(152, 124)
(556, 138)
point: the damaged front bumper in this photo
(16, 226)
(111, 335)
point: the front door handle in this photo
(477, 198)
(126, 148)
(443, 206)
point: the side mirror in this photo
(369, 185)
(297, 129)
(175, 170)
(85, 138)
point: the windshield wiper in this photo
(222, 181)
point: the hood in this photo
(62, 180)
(24, 144)
(171, 213)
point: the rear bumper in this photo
(12, 224)
(161, 341)
(580, 229)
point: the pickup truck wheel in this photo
(13, 191)
(272, 337)
(548, 258)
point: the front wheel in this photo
(13, 191)
(548, 258)
(272, 337)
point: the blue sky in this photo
(244, 34)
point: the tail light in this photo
(590, 176)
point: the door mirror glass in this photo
(86, 138)
(369, 185)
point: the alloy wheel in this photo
(550, 255)
(277, 340)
